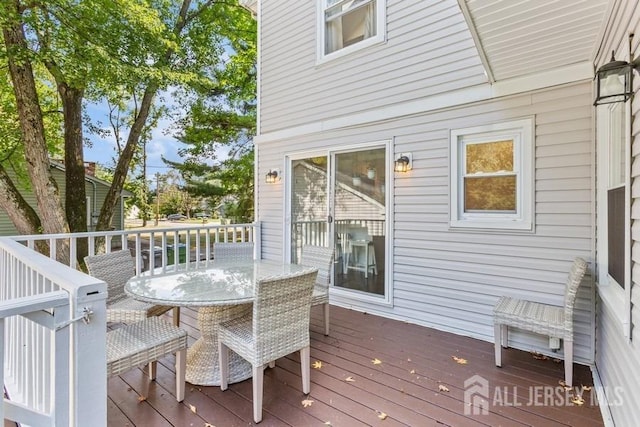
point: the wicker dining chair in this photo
(278, 325)
(115, 268)
(551, 320)
(225, 251)
(144, 342)
(320, 257)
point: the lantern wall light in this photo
(403, 162)
(614, 81)
(273, 176)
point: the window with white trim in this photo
(614, 209)
(613, 199)
(492, 176)
(348, 25)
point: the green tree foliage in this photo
(218, 129)
(128, 54)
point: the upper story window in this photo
(348, 25)
(491, 176)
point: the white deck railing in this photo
(55, 368)
(153, 247)
(54, 363)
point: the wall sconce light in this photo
(273, 176)
(613, 81)
(403, 163)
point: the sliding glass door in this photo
(339, 200)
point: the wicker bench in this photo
(144, 342)
(553, 321)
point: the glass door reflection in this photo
(359, 219)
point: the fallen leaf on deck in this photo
(382, 415)
(443, 387)
(317, 364)
(578, 400)
(376, 361)
(307, 402)
(193, 408)
(459, 360)
(563, 384)
(208, 425)
(413, 371)
(586, 388)
(539, 356)
(350, 379)
(408, 360)
(328, 423)
(557, 360)
(142, 398)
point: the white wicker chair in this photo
(320, 257)
(278, 325)
(115, 268)
(553, 321)
(146, 342)
(241, 251)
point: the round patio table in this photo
(222, 290)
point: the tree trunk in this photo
(75, 196)
(122, 168)
(32, 127)
(21, 214)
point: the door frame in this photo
(341, 296)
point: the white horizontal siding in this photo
(617, 359)
(428, 50)
(451, 279)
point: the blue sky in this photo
(103, 150)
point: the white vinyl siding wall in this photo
(429, 50)
(617, 358)
(450, 280)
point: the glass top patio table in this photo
(222, 290)
(206, 283)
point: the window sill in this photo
(492, 226)
(372, 41)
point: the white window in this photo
(348, 25)
(491, 176)
(614, 212)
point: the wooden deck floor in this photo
(418, 383)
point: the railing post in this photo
(88, 358)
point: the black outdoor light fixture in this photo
(613, 81)
(273, 176)
(403, 163)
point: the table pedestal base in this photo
(203, 363)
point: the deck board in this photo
(405, 386)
